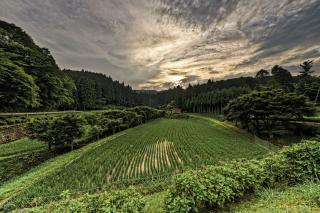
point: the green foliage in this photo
(310, 87)
(20, 156)
(20, 147)
(58, 132)
(301, 198)
(282, 78)
(15, 165)
(215, 186)
(302, 161)
(29, 76)
(213, 101)
(267, 108)
(126, 201)
(306, 69)
(157, 149)
(17, 89)
(94, 90)
(88, 127)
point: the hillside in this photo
(154, 150)
(95, 90)
(29, 76)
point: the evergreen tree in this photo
(306, 69)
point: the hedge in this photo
(216, 186)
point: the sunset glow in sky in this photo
(157, 44)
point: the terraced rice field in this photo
(158, 148)
(20, 147)
(20, 156)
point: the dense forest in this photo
(213, 96)
(29, 76)
(30, 80)
(94, 90)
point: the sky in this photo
(157, 44)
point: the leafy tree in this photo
(59, 132)
(67, 129)
(282, 78)
(17, 89)
(267, 109)
(55, 89)
(262, 74)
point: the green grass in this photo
(155, 203)
(301, 198)
(160, 147)
(20, 156)
(20, 147)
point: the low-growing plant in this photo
(215, 186)
(111, 202)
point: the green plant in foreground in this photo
(110, 202)
(215, 186)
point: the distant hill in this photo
(29, 76)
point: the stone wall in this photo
(11, 133)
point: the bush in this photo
(58, 132)
(215, 186)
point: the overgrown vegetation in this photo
(80, 129)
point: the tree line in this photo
(76, 130)
(30, 80)
(213, 96)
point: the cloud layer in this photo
(157, 44)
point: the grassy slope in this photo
(20, 156)
(301, 198)
(160, 147)
(21, 184)
(20, 147)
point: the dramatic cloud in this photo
(163, 43)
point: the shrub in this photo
(58, 132)
(215, 186)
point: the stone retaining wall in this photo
(11, 133)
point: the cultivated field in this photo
(159, 148)
(20, 156)
(20, 147)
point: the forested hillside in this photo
(96, 90)
(29, 76)
(213, 96)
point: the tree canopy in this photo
(267, 108)
(44, 85)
